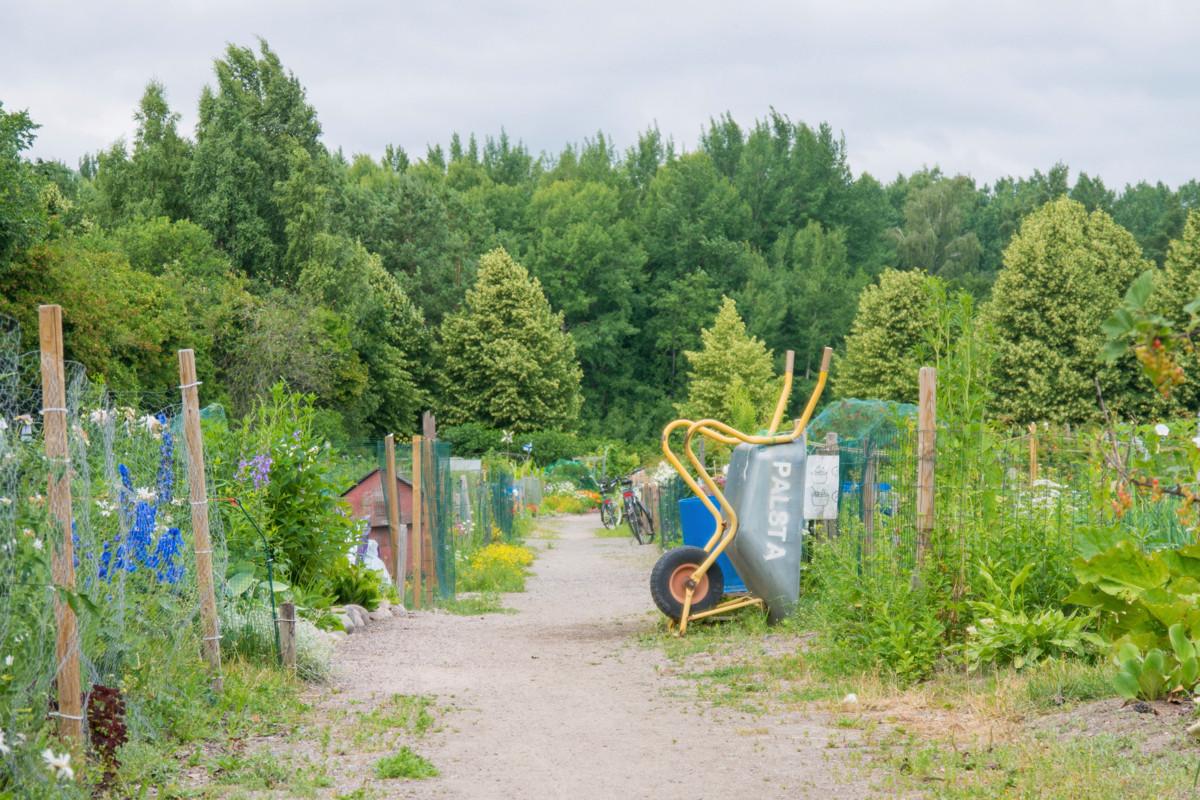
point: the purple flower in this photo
(257, 469)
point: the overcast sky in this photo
(989, 89)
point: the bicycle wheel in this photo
(645, 522)
(606, 515)
(632, 517)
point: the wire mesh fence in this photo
(135, 593)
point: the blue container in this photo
(698, 527)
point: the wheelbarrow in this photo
(759, 516)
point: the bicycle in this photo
(610, 509)
(641, 524)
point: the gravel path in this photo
(560, 700)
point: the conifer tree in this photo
(507, 363)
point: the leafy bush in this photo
(498, 567)
(875, 620)
(1155, 673)
(1138, 595)
(1005, 633)
(473, 439)
(282, 475)
(563, 504)
(357, 584)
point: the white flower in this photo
(100, 416)
(61, 765)
(1162, 430)
(8, 661)
(146, 495)
(151, 423)
(3, 424)
(37, 544)
(4, 748)
(5, 501)
(506, 437)
(850, 699)
(106, 507)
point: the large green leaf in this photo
(239, 584)
(1126, 685)
(1123, 570)
(1096, 539)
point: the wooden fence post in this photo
(1033, 452)
(428, 425)
(399, 544)
(58, 490)
(429, 512)
(926, 459)
(198, 495)
(287, 635)
(416, 521)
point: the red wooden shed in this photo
(367, 502)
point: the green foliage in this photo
(405, 764)
(497, 567)
(283, 477)
(874, 621)
(357, 584)
(1063, 275)
(1154, 673)
(1005, 633)
(1139, 595)
(883, 347)
(22, 217)
(507, 363)
(730, 377)
(936, 236)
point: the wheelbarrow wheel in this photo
(668, 581)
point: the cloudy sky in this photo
(984, 88)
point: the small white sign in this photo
(821, 487)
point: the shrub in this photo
(282, 475)
(498, 567)
(563, 504)
(357, 584)
(1005, 633)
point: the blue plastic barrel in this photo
(698, 526)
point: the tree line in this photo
(520, 290)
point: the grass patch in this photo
(256, 701)
(402, 713)
(475, 605)
(405, 764)
(1101, 767)
(620, 532)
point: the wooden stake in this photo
(399, 545)
(428, 425)
(58, 490)
(1033, 452)
(287, 635)
(416, 520)
(198, 494)
(926, 452)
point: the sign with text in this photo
(821, 487)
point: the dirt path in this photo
(559, 700)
